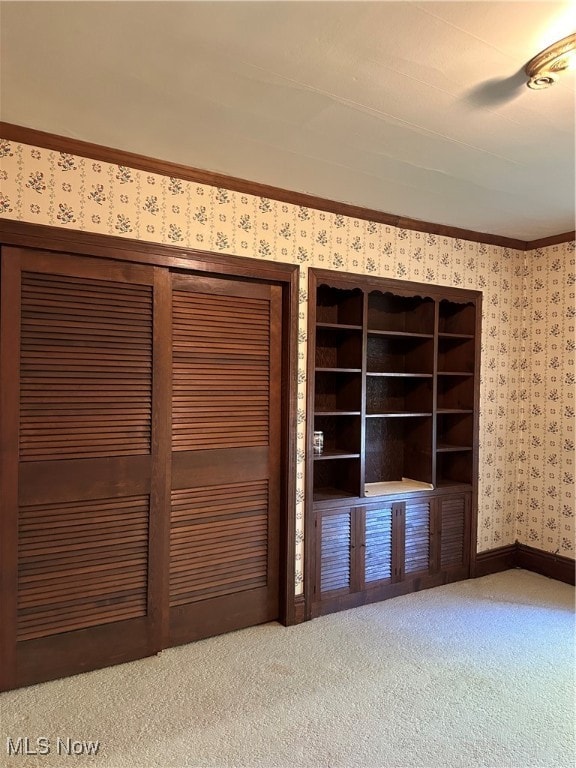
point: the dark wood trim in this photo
(547, 563)
(311, 555)
(127, 249)
(358, 501)
(400, 287)
(161, 463)
(278, 538)
(9, 443)
(299, 609)
(473, 516)
(531, 559)
(544, 242)
(36, 138)
(289, 426)
(44, 261)
(494, 561)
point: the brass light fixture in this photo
(543, 69)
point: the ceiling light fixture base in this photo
(544, 68)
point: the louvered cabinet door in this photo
(378, 544)
(336, 569)
(224, 534)
(454, 527)
(79, 387)
(417, 537)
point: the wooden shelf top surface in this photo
(338, 370)
(328, 455)
(404, 485)
(338, 326)
(399, 334)
(456, 373)
(393, 374)
(336, 413)
(397, 414)
(455, 336)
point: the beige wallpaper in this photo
(547, 400)
(526, 430)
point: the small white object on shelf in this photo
(405, 485)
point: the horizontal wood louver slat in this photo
(218, 541)
(81, 564)
(453, 532)
(221, 375)
(86, 368)
(378, 550)
(417, 537)
(335, 554)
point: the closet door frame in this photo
(190, 261)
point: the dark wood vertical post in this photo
(9, 434)
(160, 503)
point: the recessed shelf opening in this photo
(338, 305)
(336, 479)
(397, 448)
(409, 314)
(398, 395)
(453, 469)
(399, 355)
(341, 433)
(338, 348)
(336, 391)
(456, 354)
(455, 317)
(455, 392)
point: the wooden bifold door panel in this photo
(80, 502)
(140, 464)
(224, 534)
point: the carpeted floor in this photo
(479, 673)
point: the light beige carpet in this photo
(479, 673)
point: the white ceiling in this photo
(418, 109)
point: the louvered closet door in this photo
(224, 535)
(80, 396)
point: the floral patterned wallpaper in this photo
(527, 406)
(547, 400)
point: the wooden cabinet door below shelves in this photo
(454, 530)
(379, 558)
(417, 534)
(336, 567)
